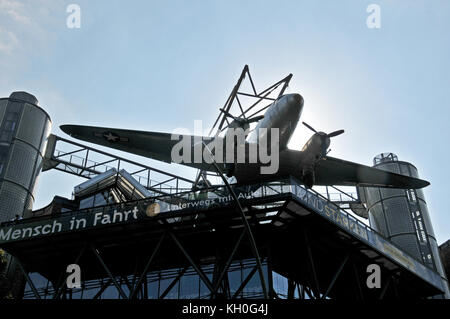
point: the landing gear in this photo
(229, 169)
(308, 178)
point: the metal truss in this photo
(269, 94)
(135, 287)
(256, 104)
(312, 289)
(248, 230)
(313, 285)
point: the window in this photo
(9, 126)
(3, 158)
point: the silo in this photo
(24, 129)
(401, 215)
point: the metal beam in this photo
(311, 263)
(301, 292)
(102, 289)
(383, 291)
(245, 282)
(173, 283)
(341, 267)
(197, 269)
(256, 96)
(59, 288)
(231, 99)
(228, 263)
(394, 282)
(58, 138)
(253, 246)
(147, 266)
(308, 292)
(121, 292)
(125, 280)
(291, 289)
(358, 284)
(28, 279)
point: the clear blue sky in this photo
(159, 65)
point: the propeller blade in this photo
(255, 119)
(227, 114)
(335, 133)
(310, 127)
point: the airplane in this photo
(311, 165)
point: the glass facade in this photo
(99, 199)
(167, 284)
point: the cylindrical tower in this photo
(401, 215)
(24, 129)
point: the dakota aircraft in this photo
(311, 165)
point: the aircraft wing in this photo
(334, 171)
(154, 145)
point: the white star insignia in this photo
(111, 137)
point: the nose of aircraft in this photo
(294, 105)
(295, 98)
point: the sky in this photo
(160, 65)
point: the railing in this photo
(175, 202)
(303, 193)
(83, 161)
(202, 199)
(338, 195)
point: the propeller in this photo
(332, 134)
(336, 133)
(243, 120)
(309, 126)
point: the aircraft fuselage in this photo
(283, 114)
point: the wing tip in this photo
(421, 183)
(67, 128)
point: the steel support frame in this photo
(64, 275)
(311, 265)
(222, 122)
(115, 160)
(173, 283)
(27, 278)
(247, 228)
(336, 275)
(312, 290)
(134, 288)
(263, 95)
(146, 268)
